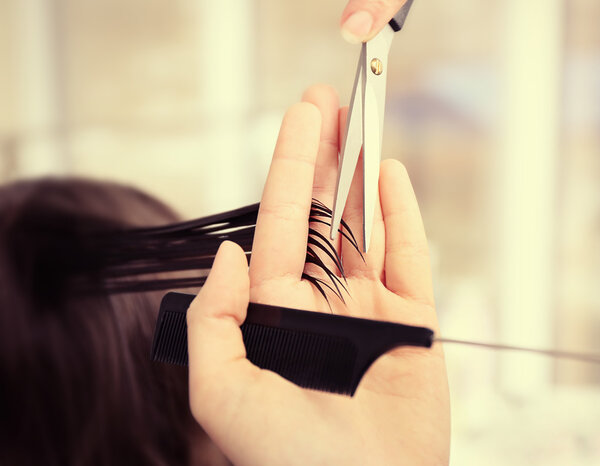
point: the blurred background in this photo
(492, 106)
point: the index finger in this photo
(279, 247)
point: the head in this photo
(77, 385)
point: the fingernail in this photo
(356, 28)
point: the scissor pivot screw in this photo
(376, 66)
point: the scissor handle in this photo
(398, 21)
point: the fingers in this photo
(373, 263)
(407, 269)
(238, 405)
(326, 100)
(224, 385)
(217, 358)
(363, 19)
(279, 247)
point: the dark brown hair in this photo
(76, 382)
(79, 265)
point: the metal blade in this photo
(350, 146)
(373, 114)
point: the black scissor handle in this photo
(398, 21)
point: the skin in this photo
(400, 412)
(375, 14)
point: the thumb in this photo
(238, 405)
(217, 356)
(363, 19)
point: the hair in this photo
(76, 382)
(80, 266)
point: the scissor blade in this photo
(350, 147)
(373, 113)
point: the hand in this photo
(363, 19)
(400, 412)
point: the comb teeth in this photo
(172, 349)
(313, 350)
(309, 360)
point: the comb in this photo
(313, 350)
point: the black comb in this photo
(311, 349)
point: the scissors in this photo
(364, 127)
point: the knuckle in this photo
(283, 211)
(408, 248)
(329, 143)
(298, 156)
(398, 212)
